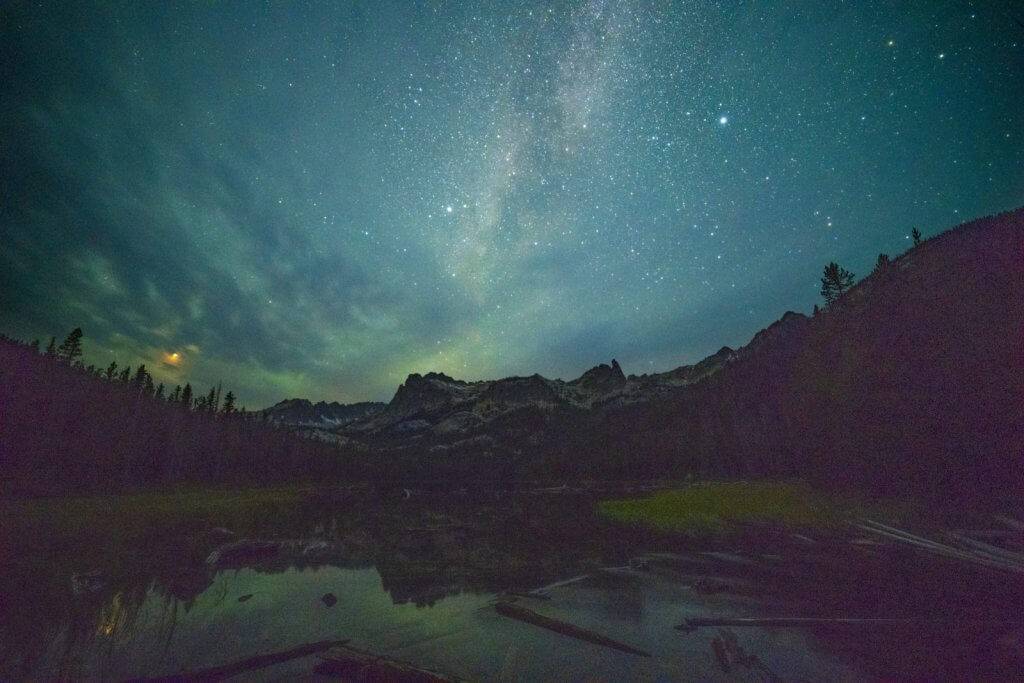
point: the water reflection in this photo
(418, 578)
(75, 613)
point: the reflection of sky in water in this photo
(459, 635)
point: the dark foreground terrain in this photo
(327, 583)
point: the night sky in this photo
(316, 200)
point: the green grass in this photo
(718, 506)
(121, 521)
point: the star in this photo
(586, 150)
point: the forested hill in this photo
(911, 382)
(66, 428)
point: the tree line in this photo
(68, 427)
(70, 352)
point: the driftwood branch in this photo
(218, 673)
(358, 665)
(800, 622)
(787, 622)
(513, 611)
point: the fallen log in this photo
(976, 556)
(359, 665)
(788, 622)
(218, 673)
(559, 584)
(534, 595)
(513, 611)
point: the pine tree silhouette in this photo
(916, 234)
(882, 263)
(834, 282)
(139, 381)
(70, 349)
(186, 396)
(111, 369)
(229, 403)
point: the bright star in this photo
(722, 120)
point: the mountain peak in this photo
(601, 376)
(301, 411)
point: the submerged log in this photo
(218, 673)
(358, 665)
(513, 611)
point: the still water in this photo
(420, 582)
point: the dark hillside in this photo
(912, 382)
(65, 429)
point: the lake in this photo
(489, 586)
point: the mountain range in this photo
(913, 379)
(436, 405)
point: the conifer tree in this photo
(211, 400)
(159, 393)
(126, 375)
(916, 234)
(229, 403)
(51, 348)
(882, 263)
(71, 348)
(139, 381)
(111, 369)
(834, 282)
(186, 396)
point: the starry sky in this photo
(316, 199)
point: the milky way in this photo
(318, 200)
